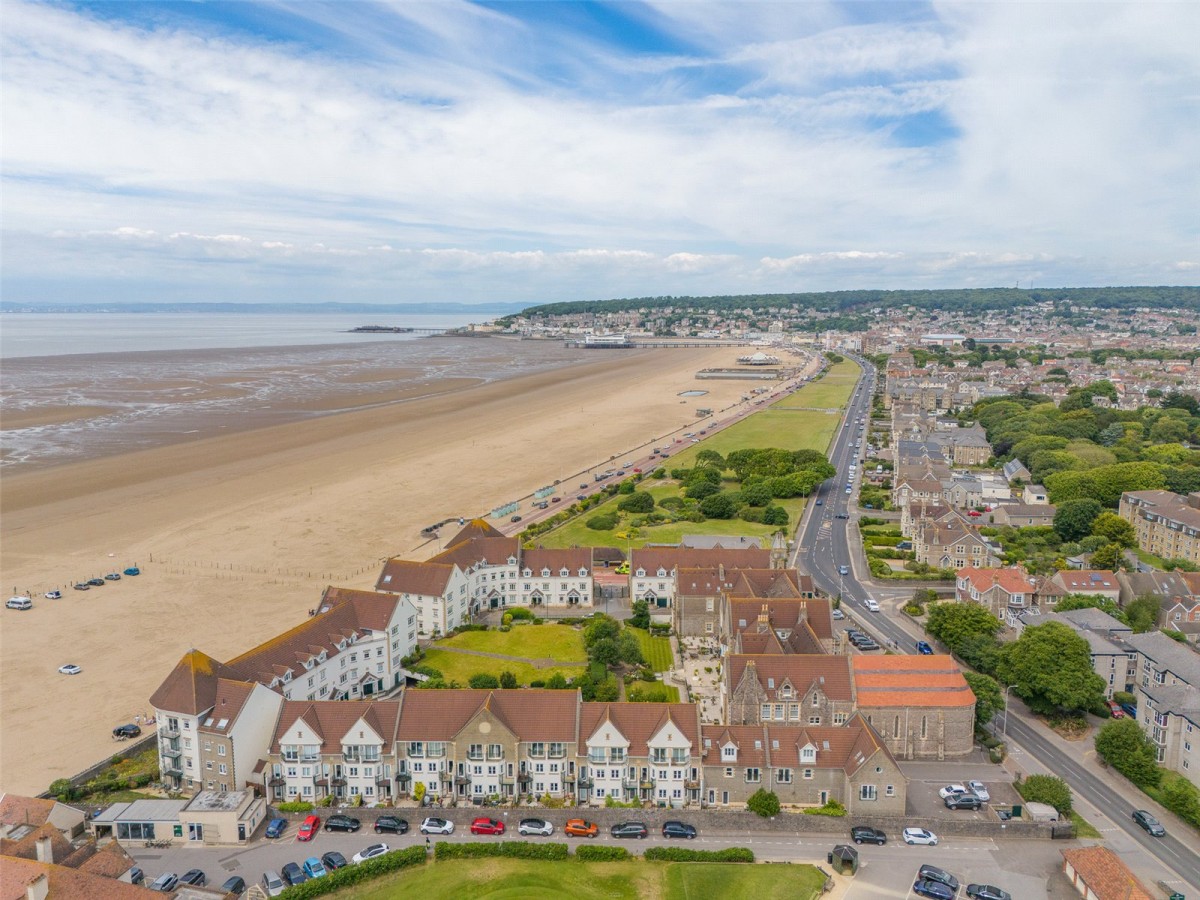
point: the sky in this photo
(532, 152)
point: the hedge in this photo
(511, 849)
(294, 806)
(392, 861)
(600, 853)
(680, 854)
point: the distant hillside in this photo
(857, 303)
(483, 310)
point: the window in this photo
(783, 776)
(729, 751)
(814, 720)
(816, 699)
(728, 771)
(867, 792)
(766, 711)
(753, 775)
(890, 790)
(220, 749)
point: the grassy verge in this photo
(656, 650)
(1084, 828)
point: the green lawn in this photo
(656, 650)
(461, 666)
(514, 879)
(531, 641)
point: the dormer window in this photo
(545, 572)
(564, 572)
(729, 751)
(512, 560)
(583, 573)
(527, 572)
(662, 573)
(808, 753)
(640, 573)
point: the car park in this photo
(273, 884)
(484, 825)
(987, 892)
(434, 825)
(165, 883)
(677, 829)
(19, 603)
(1151, 824)
(392, 824)
(122, 732)
(69, 669)
(276, 827)
(194, 877)
(313, 868)
(293, 874)
(950, 789)
(53, 595)
(369, 852)
(309, 827)
(924, 649)
(538, 827)
(935, 890)
(963, 801)
(580, 828)
(979, 790)
(919, 836)
(342, 823)
(933, 873)
(629, 830)
(235, 885)
(334, 860)
(865, 834)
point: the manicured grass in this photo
(656, 650)
(1084, 828)
(461, 666)
(510, 879)
(530, 641)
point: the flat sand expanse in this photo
(237, 535)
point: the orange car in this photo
(580, 828)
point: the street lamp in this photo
(1004, 729)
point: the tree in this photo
(1073, 519)
(775, 515)
(605, 651)
(626, 487)
(763, 802)
(62, 789)
(1110, 556)
(718, 506)
(1181, 797)
(1169, 431)
(508, 680)
(1110, 525)
(1047, 789)
(641, 614)
(418, 792)
(1050, 668)
(757, 494)
(483, 681)
(710, 458)
(629, 649)
(954, 624)
(989, 699)
(1123, 745)
(600, 627)
(700, 490)
(556, 682)
(637, 502)
(1142, 612)
(602, 522)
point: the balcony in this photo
(404, 778)
(171, 752)
(506, 779)
(525, 778)
(585, 783)
(568, 777)
(168, 733)
(383, 778)
(647, 784)
(474, 757)
(338, 781)
(692, 785)
(174, 771)
(462, 779)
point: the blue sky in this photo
(543, 151)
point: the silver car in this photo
(977, 788)
(273, 884)
(535, 826)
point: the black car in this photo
(193, 876)
(342, 823)
(234, 885)
(629, 830)
(126, 731)
(987, 892)
(392, 824)
(933, 873)
(334, 860)
(96, 582)
(933, 889)
(136, 876)
(963, 801)
(1147, 821)
(678, 830)
(293, 874)
(863, 834)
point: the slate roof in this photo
(1179, 659)
(904, 680)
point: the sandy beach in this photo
(238, 534)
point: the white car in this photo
(535, 826)
(370, 852)
(871, 605)
(951, 789)
(919, 836)
(69, 669)
(979, 790)
(437, 826)
(53, 595)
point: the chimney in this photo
(764, 618)
(39, 890)
(45, 850)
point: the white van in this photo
(19, 603)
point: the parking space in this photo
(1025, 868)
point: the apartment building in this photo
(1112, 657)
(1167, 678)
(1166, 524)
(653, 570)
(642, 751)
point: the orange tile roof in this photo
(1012, 579)
(18, 810)
(1106, 876)
(532, 714)
(671, 558)
(902, 680)
(64, 884)
(192, 685)
(638, 722)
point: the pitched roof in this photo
(18, 810)
(1106, 876)
(903, 680)
(572, 558)
(25, 847)
(784, 613)
(651, 559)
(802, 671)
(331, 721)
(1086, 581)
(191, 687)
(493, 550)
(532, 714)
(228, 701)
(476, 528)
(109, 861)
(402, 576)
(1011, 579)
(639, 722)
(1179, 659)
(847, 747)
(64, 884)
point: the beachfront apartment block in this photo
(1166, 524)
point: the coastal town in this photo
(665, 675)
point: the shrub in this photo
(1181, 797)
(831, 808)
(764, 803)
(483, 681)
(638, 502)
(681, 854)
(294, 806)
(605, 522)
(601, 853)
(1046, 789)
(352, 875)
(520, 613)
(510, 849)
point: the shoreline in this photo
(237, 534)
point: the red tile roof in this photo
(64, 884)
(902, 680)
(802, 671)
(671, 558)
(426, 579)
(783, 612)
(18, 810)
(331, 721)
(495, 551)
(1105, 875)
(639, 722)
(532, 714)
(1011, 579)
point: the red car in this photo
(310, 827)
(487, 826)
(1117, 712)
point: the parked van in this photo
(1041, 812)
(19, 603)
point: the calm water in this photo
(59, 334)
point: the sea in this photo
(77, 386)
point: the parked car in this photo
(979, 790)
(933, 889)
(951, 789)
(293, 874)
(580, 828)
(69, 669)
(53, 595)
(677, 829)
(369, 852)
(113, 576)
(82, 586)
(864, 834)
(235, 885)
(194, 877)
(334, 860)
(629, 830)
(514, 519)
(132, 570)
(392, 824)
(1147, 821)
(924, 648)
(127, 731)
(276, 827)
(313, 868)
(19, 603)
(963, 801)
(136, 875)
(342, 823)
(535, 826)
(1114, 709)
(309, 827)
(273, 884)
(484, 825)
(933, 873)
(987, 892)
(837, 613)
(433, 825)
(165, 883)
(1130, 710)
(96, 582)
(919, 836)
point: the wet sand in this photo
(237, 534)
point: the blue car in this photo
(924, 649)
(276, 827)
(133, 570)
(313, 868)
